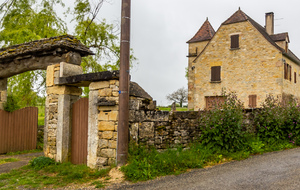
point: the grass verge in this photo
(43, 172)
(8, 160)
(169, 109)
(24, 152)
(145, 164)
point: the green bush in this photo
(11, 104)
(41, 162)
(278, 120)
(223, 128)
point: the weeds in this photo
(7, 160)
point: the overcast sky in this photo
(160, 29)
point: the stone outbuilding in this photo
(243, 57)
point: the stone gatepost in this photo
(58, 120)
(103, 122)
(3, 93)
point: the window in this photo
(295, 77)
(287, 72)
(252, 101)
(216, 74)
(234, 41)
(214, 101)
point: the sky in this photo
(160, 29)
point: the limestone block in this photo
(2, 105)
(3, 84)
(112, 144)
(107, 135)
(108, 116)
(73, 58)
(111, 161)
(103, 116)
(105, 92)
(101, 161)
(108, 153)
(115, 93)
(103, 143)
(3, 96)
(115, 135)
(146, 130)
(50, 75)
(64, 90)
(67, 69)
(106, 126)
(108, 108)
(99, 85)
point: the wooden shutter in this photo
(252, 101)
(235, 41)
(290, 73)
(216, 73)
(295, 77)
(285, 71)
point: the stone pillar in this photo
(3, 93)
(103, 122)
(57, 134)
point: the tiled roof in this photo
(279, 37)
(206, 32)
(238, 16)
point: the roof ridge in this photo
(206, 32)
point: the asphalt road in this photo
(276, 170)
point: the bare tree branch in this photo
(94, 14)
(9, 3)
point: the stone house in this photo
(241, 56)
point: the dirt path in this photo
(24, 159)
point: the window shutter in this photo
(216, 73)
(252, 101)
(290, 73)
(285, 71)
(234, 41)
(295, 77)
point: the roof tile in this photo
(206, 32)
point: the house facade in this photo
(243, 57)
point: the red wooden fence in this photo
(18, 130)
(80, 131)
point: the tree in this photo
(27, 20)
(179, 96)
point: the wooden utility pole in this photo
(123, 126)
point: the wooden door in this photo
(80, 131)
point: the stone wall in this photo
(103, 123)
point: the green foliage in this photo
(145, 164)
(49, 174)
(223, 128)
(41, 162)
(11, 104)
(28, 20)
(278, 121)
(7, 160)
(23, 152)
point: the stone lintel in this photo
(64, 90)
(86, 79)
(31, 63)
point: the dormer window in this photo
(234, 41)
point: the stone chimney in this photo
(270, 23)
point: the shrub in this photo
(278, 120)
(223, 128)
(41, 162)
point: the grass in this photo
(23, 152)
(53, 175)
(41, 115)
(169, 109)
(8, 160)
(145, 164)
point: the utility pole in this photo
(123, 126)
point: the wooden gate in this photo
(18, 130)
(80, 131)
